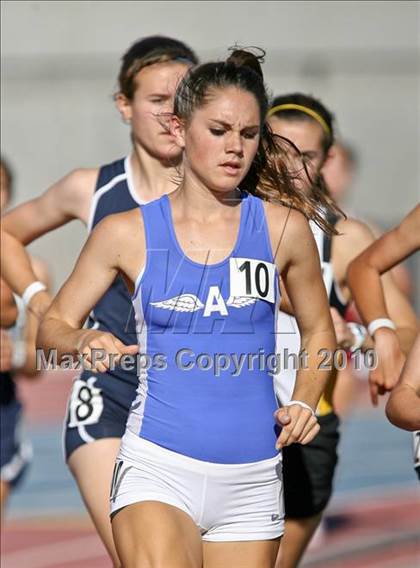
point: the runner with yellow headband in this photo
(305, 110)
(309, 471)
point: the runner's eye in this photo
(250, 135)
(217, 131)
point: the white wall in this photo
(60, 61)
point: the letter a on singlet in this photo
(215, 303)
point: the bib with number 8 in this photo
(86, 403)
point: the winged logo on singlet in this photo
(191, 303)
(182, 303)
(240, 301)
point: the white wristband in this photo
(300, 403)
(31, 290)
(378, 323)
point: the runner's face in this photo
(222, 138)
(307, 136)
(338, 172)
(150, 109)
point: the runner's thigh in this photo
(151, 534)
(251, 554)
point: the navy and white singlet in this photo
(185, 309)
(114, 312)
(99, 402)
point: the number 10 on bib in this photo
(252, 278)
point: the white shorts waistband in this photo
(134, 447)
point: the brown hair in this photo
(148, 51)
(269, 176)
(319, 189)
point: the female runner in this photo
(99, 404)
(196, 481)
(308, 471)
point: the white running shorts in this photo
(228, 502)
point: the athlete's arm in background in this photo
(354, 238)
(29, 369)
(400, 272)
(374, 301)
(64, 201)
(17, 350)
(403, 406)
(300, 270)
(110, 249)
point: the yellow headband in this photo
(306, 110)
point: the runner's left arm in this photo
(300, 271)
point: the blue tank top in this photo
(114, 193)
(185, 309)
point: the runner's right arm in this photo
(116, 245)
(364, 271)
(364, 280)
(64, 201)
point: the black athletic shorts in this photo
(308, 471)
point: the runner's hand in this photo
(39, 304)
(345, 338)
(390, 363)
(102, 350)
(298, 425)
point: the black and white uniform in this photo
(308, 470)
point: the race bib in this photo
(252, 278)
(86, 403)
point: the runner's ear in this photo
(177, 129)
(124, 107)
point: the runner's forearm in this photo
(316, 367)
(16, 267)
(55, 334)
(403, 407)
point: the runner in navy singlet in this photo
(99, 404)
